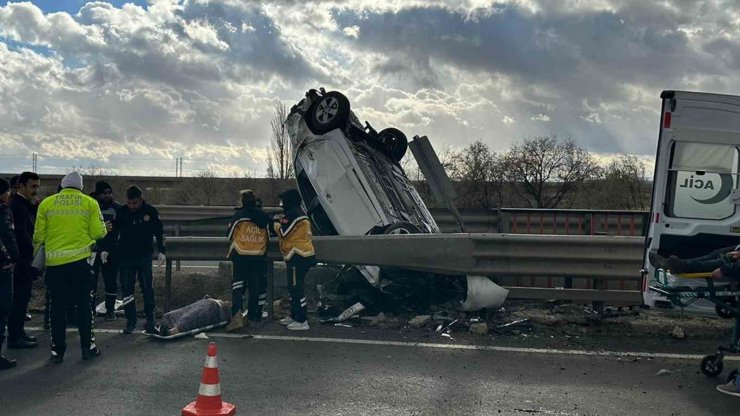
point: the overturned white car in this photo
(351, 180)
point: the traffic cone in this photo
(208, 402)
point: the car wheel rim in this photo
(327, 110)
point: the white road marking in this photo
(617, 354)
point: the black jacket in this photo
(257, 215)
(8, 248)
(134, 231)
(108, 243)
(24, 215)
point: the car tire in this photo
(328, 112)
(401, 228)
(394, 142)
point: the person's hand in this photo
(735, 255)
(9, 266)
(104, 257)
(717, 274)
(161, 259)
(108, 226)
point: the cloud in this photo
(199, 79)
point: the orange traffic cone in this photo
(208, 402)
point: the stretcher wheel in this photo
(733, 375)
(711, 366)
(724, 312)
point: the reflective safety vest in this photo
(68, 224)
(295, 237)
(247, 239)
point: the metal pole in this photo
(168, 285)
(177, 234)
(270, 288)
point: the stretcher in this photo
(724, 295)
(191, 332)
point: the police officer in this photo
(67, 225)
(8, 258)
(105, 261)
(135, 225)
(24, 218)
(294, 233)
(248, 236)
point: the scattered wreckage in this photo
(352, 183)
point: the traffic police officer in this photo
(67, 225)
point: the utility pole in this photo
(178, 167)
(35, 162)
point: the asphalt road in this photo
(139, 376)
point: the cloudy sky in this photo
(130, 86)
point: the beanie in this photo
(291, 198)
(72, 180)
(101, 187)
(4, 186)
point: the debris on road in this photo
(678, 333)
(201, 335)
(420, 321)
(664, 372)
(448, 336)
(348, 313)
(515, 327)
(378, 319)
(343, 325)
(479, 328)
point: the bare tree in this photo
(476, 170)
(280, 156)
(624, 184)
(543, 171)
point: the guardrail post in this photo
(177, 234)
(598, 306)
(168, 285)
(504, 221)
(270, 287)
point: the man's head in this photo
(103, 192)
(28, 184)
(290, 199)
(247, 198)
(72, 180)
(4, 191)
(134, 197)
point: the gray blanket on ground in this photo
(196, 315)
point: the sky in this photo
(127, 87)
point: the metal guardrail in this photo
(594, 257)
(503, 220)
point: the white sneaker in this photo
(298, 326)
(287, 320)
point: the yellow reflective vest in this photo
(247, 238)
(295, 237)
(68, 224)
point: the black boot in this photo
(91, 353)
(6, 363)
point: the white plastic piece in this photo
(483, 293)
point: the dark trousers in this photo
(250, 272)
(70, 284)
(109, 271)
(23, 278)
(130, 269)
(707, 263)
(6, 301)
(297, 268)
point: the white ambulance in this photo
(695, 198)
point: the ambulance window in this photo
(702, 177)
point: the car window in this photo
(702, 177)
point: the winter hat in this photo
(4, 186)
(291, 198)
(101, 187)
(72, 180)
